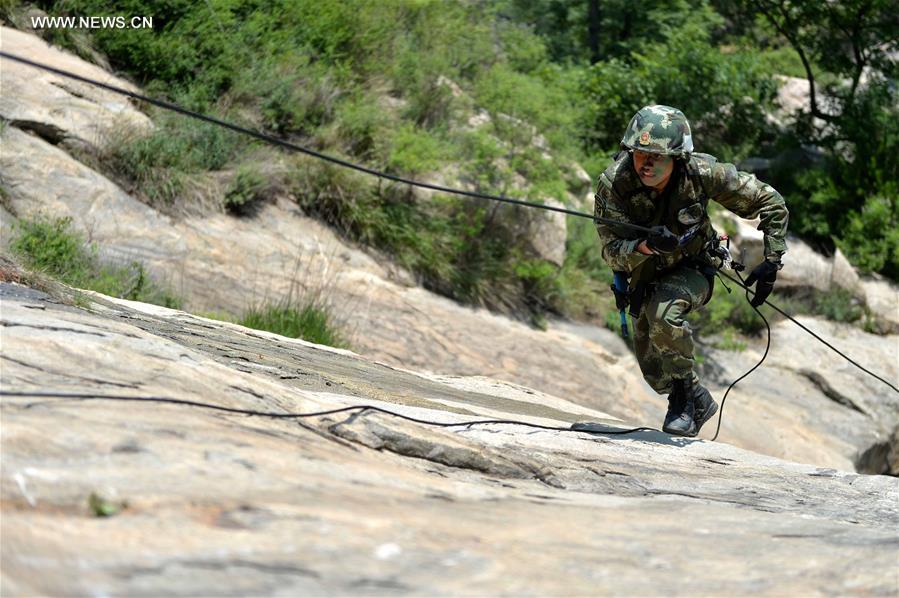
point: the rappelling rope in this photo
(275, 415)
(294, 147)
(753, 368)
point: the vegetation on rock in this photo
(309, 322)
(50, 246)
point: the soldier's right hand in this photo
(662, 240)
(763, 277)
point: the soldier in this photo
(658, 182)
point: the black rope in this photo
(798, 323)
(274, 415)
(753, 368)
(299, 148)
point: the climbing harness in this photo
(620, 287)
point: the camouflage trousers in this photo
(663, 340)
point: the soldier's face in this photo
(653, 169)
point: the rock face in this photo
(806, 397)
(112, 497)
(281, 252)
(882, 297)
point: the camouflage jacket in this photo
(622, 196)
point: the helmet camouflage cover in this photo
(659, 130)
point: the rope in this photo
(798, 323)
(274, 415)
(753, 368)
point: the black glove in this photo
(662, 240)
(765, 273)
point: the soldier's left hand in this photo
(763, 276)
(662, 240)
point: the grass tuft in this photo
(309, 322)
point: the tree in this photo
(848, 50)
(848, 39)
(594, 22)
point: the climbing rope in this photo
(344, 163)
(275, 415)
(753, 368)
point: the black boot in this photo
(704, 405)
(679, 419)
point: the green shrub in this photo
(583, 285)
(870, 238)
(728, 311)
(291, 93)
(839, 305)
(414, 150)
(157, 165)
(362, 129)
(50, 246)
(729, 340)
(481, 167)
(836, 304)
(246, 192)
(539, 280)
(309, 322)
(728, 115)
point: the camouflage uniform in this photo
(676, 284)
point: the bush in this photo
(583, 284)
(870, 238)
(728, 311)
(158, 165)
(362, 129)
(291, 94)
(723, 95)
(50, 246)
(414, 150)
(246, 192)
(838, 305)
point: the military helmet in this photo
(659, 130)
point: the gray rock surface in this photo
(219, 263)
(281, 252)
(882, 297)
(201, 501)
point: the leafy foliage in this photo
(727, 117)
(847, 51)
(49, 245)
(246, 192)
(157, 165)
